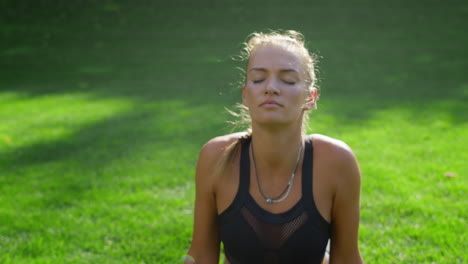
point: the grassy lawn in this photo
(104, 106)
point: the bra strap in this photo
(307, 174)
(244, 172)
(308, 186)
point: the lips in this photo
(271, 104)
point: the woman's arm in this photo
(205, 241)
(346, 209)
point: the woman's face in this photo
(276, 89)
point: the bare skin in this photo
(276, 98)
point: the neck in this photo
(276, 150)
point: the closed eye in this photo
(257, 81)
(290, 83)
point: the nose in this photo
(271, 87)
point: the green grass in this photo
(105, 106)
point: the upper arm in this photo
(205, 240)
(346, 208)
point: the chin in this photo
(272, 121)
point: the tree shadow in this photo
(138, 142)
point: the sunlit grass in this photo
(86, 178)
(409, 201)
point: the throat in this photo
(275, 185)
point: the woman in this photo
(273, 194)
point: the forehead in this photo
(275, 57)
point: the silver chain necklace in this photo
(286, 191)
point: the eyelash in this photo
(259, 81)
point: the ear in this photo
(311, 99)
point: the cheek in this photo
(299, 94)
(253, 89)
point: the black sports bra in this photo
(251, 234)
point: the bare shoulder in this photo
(224, 140)
(336, 155)
(335, 148)
(214, 149)
(208, 161)
(216, 146)
(339, 167)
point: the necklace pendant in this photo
(269, 200)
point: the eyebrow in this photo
(265, 70)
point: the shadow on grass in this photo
(144, 145)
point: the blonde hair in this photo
(291, 40)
